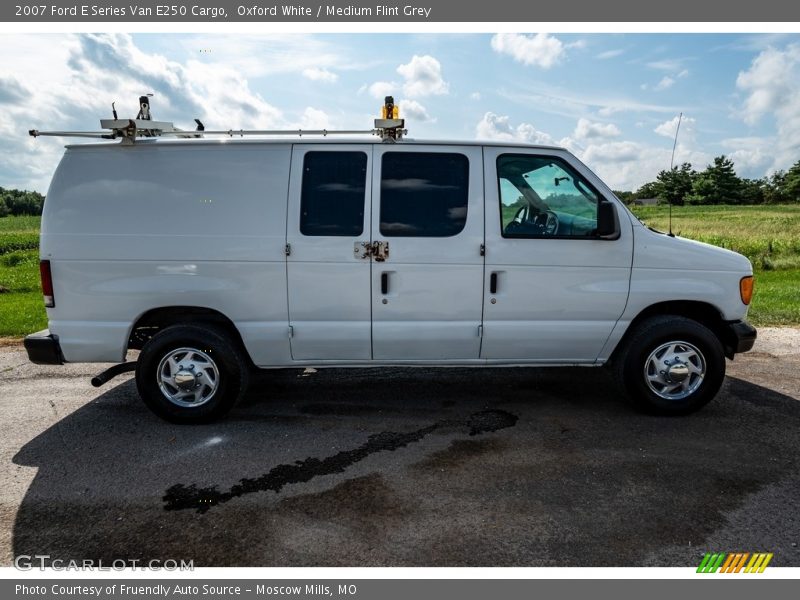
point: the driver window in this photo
(542, 196)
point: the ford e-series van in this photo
(215, 257)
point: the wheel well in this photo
(153, 321)
(702, 312)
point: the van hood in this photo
(653, 250)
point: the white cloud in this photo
(665, 83)
(381, 89)
(106, 68)
(497, 127)
(672, 65)
(769, 81)
(752, 155)
(668, 128)
(613, 153)
(586, 130)
(475, 96)
(540, 50)
(571, 104)
(414, 111)
(258, 55)
(674, 69)
(622, 164)
(610, 54)
(319, 74)
(626, 165)
(314, 118)
(772, 85)
(423, 77)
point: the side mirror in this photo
(607, 221)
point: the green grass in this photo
(776, 298)
(19, 233)
(21, 307)
(768, 235)
(21, 313)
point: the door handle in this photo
(493, 283)
(384, 283)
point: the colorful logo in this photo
(734, 562)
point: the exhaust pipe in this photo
(112, 372)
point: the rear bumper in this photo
(741, 336)
(43, 348)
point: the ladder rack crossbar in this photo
(389, 128)
(297, 132)
(89, 134)
(145, 133)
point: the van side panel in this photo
(133, 228)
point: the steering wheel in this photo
(551, 223)
(546, 223)
(543, 223)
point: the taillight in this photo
(746, 289)
(47, 283)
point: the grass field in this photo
(21, 308)
(768, 235)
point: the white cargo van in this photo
(215, 257)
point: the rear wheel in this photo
(670, 365)
(191, 373)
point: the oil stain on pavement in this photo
(187, 497)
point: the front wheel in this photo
(670, 365)
(191, 373)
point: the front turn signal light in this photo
(746, 289)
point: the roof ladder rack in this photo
(389, 128)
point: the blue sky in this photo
(613, 99)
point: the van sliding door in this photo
(427, 269)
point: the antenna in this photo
(671, 163)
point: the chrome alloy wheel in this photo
(188, 377)
(674, 370)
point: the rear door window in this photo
(332, 197)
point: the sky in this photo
(612, 99)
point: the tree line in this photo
(719, 184)
(20, 202)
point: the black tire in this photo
(633, 357)
(226, 367)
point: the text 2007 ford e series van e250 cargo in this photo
(214, 257)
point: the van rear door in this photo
(328, 225)
(427, 267)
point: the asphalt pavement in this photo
(404, 467)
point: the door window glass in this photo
(332, 197)
(423, 194)
(543, 196)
